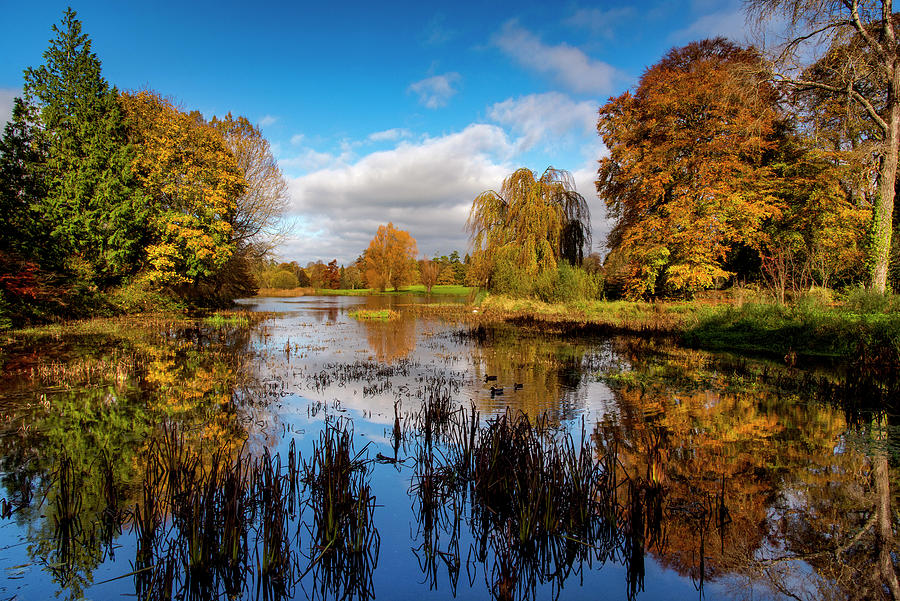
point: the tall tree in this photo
(93, 206)
(428, 272)
(861, 67)
(390, 259)
(532, 223)
(686, 178)
(332, 275)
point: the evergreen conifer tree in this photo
(93, 207)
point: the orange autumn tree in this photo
(390, 258)
(193, 180)
(687, 179)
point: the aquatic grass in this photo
(539, 505)
(374, 314)
(344, 543)
(208, 523)
(232, 320)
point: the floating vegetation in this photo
(231, 319)
(374, 314)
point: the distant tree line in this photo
(110, 200)
(444, 270)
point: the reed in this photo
(344, 542)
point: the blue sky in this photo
(395, 111)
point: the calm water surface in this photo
(153, 458)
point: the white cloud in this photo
(389, 135)
(7, 96)
(436, 91)
(550, 118)
(297, 139)
(585, 178)
(569, 66)
(267, 121)
(600, 22)
(730, 23)
(425, 188)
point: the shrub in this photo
(863, 300)
(508, 279)
(815, 298)
(283, 279)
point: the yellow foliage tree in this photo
(390, 258)
(193, 180)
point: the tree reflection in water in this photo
(391, 340)
(732, 475)
(793, 498)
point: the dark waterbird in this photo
(488, 378)
(518, 386)
(495, 391)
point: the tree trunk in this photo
(887, 176)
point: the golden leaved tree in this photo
(390, 258)
(686, 179)
(193, 180)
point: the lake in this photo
(296, 452)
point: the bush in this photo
(863, 300)
(282, 279)
(566, 284)
(508, 279)
(816, 298)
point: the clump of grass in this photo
(802, 329)
(344, 542)
(208, 523)
(374, 314)
(227, 320)
(864, 300)
(541, 504)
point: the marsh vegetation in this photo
(295, 452)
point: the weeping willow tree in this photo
(530, 224)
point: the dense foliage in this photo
(103, 192)
(527, 230)
(852, 63)
(708, 182)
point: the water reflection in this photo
(391, 340)
(749, 484)
(174, 459)
(537, 374)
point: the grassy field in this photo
(861, 328)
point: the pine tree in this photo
(22, 189)
(93, 207)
